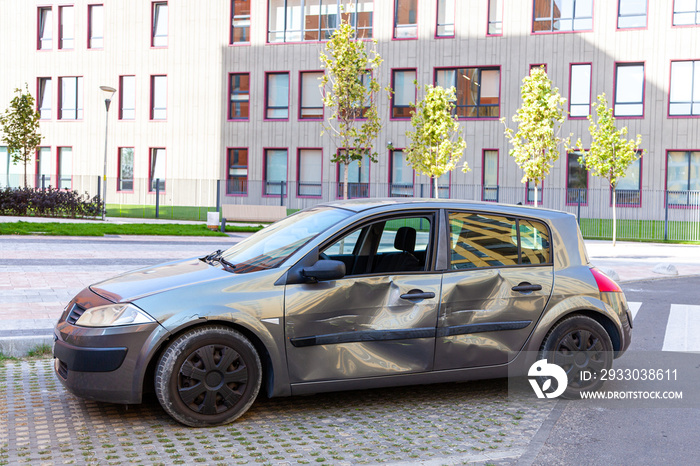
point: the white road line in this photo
(683, 328)
(634, 308)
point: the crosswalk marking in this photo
(634, 308)
(681, 329)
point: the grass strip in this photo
(101, 229)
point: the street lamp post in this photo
(109, 93)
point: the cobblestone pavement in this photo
(476, 422)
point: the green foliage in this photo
(350, 88)
(20, 128)
(40, 351)
(101, 229)
(610, 153)
(436, 143)
(539, 119)
(48, 203)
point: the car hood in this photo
(152, 280)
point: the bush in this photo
(48, 203)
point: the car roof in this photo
(394, 203)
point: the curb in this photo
(18, 347)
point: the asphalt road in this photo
(581, 432)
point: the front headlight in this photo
(113, 315)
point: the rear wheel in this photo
(582, 347)
(208, 376)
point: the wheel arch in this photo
(605, 321)
(268, 371)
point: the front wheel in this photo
(208, 376)
(582, 347)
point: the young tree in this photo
(350, 89)
(436, 143)
(610, 153)
(20, 128)
(535, 145)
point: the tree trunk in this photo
(25, 172)
(535, 193)
(435, 187)
(614, 215)
(345, 181)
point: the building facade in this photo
(224, 94)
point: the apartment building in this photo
(225, 93)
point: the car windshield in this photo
(274, 244)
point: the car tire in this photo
(208, 376)
(579, 345)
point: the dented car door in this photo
(378, 320)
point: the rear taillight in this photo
(605, 283)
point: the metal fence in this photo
(641, 215)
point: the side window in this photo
(388, 246)
(534, 243)
(482, 241)
(478, 240)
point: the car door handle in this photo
(526, 287)
(417, 294)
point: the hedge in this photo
(49, 202)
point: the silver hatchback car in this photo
(348, 295)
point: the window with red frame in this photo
(127, 97)
(628, 191)
(580, 90)
(239, 96)
(404, 95)
(66, 27)
(310, 166)
(96, 26)
(684, 96)
(277, 96)
(686, 12)
(445, 26)
(70, 98)
(156, 170)
(562, 15)
(405, 19)
(237, 171)
(125, 178)
(159, 28)
(631, 14)
(477, 90)
(495, 17)
(311, 100)
(629, 90)
(240, 21)
(576, 179)
(159, 100)
(45, 28)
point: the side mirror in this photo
(324, 270)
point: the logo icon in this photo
(545, 372)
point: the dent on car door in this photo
(499, 280)
(380, 318)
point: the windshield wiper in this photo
(217, 256)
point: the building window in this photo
(239, 96)
(358, 178)
(405, 19)
(576, 180)
(159, 29)
(683, 178)
(156, 170)
(45, 32)
(314, 20)
(159, 85)
(127, 97)
(45, 98)
(66, 27)
(64, 172)
(125, 179)
(490, 176)
(43, 168)
(495, 17)
(310, 174)
(311, 100)
(686, 12)
(70, 98)
(562, 15)
(400, 175)
(628, 189)
(275, 175)
(237, 171)
(240, 21)
(477, 90)
(580, 90)
(631, 14)
(684, 97)
(629, 89)
(96, 26)
(404, 93)
(445, 26)
(277, 96)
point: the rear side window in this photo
(479, 240)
